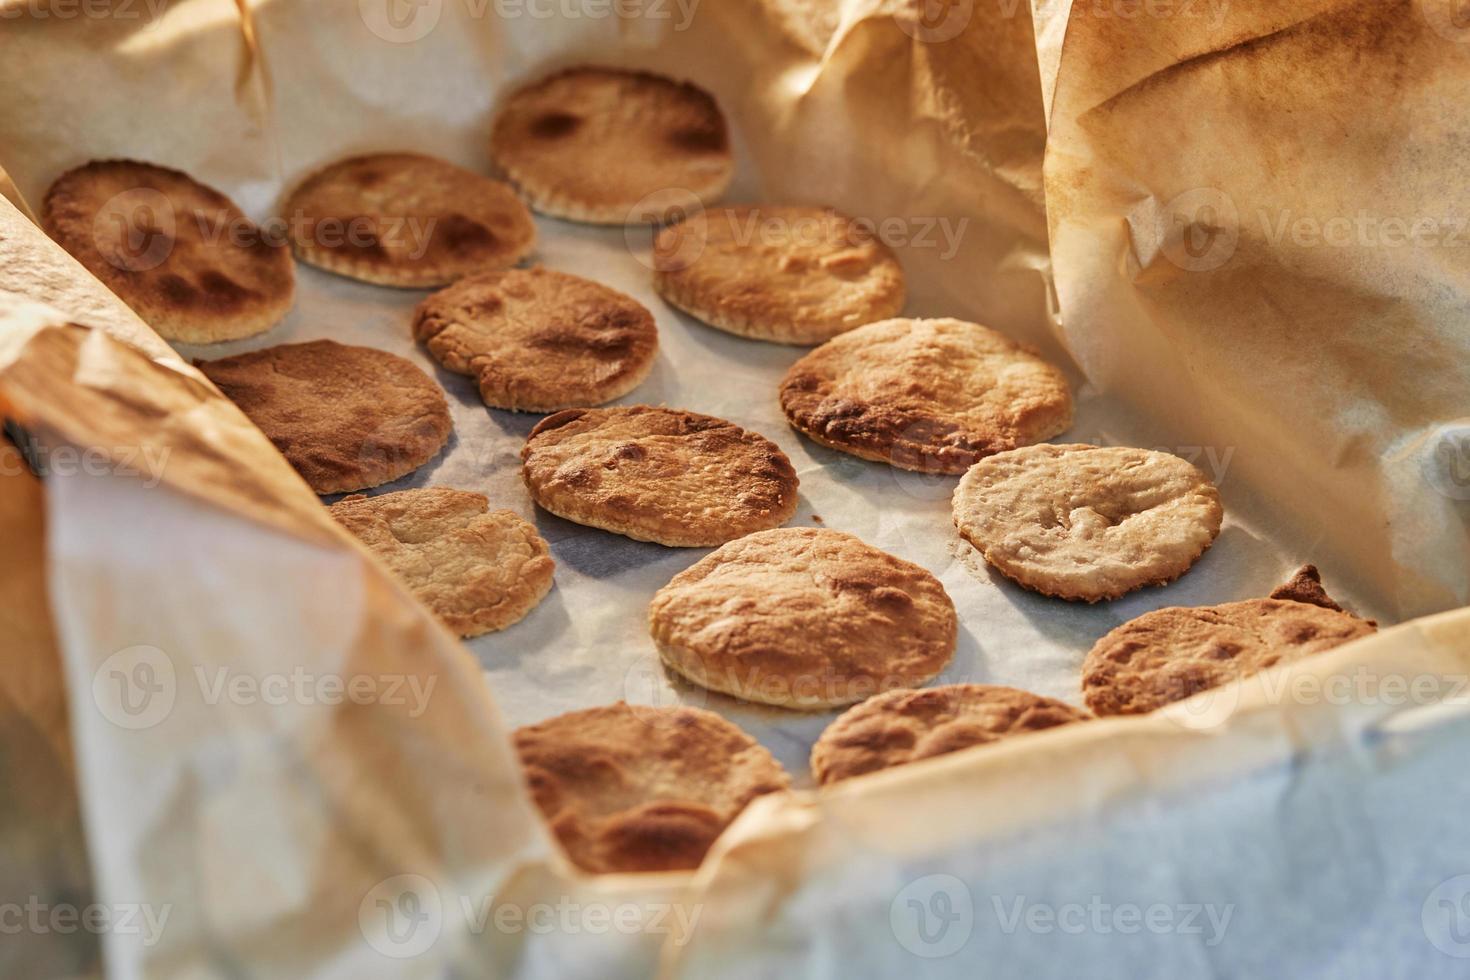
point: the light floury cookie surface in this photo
(659, 474)
(181, 254)
(347, 418)
(1171, 654)
(478, 570)
(641, 788)
(926, 395)
(537, 340)
(803, 618)
(798, 275)
(898, 727)
(403, 219)
(594, 144)
(1087, 522)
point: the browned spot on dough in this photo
(176, 289)
(459, 233)
(224, 290)
(554, 125)
(700, 139)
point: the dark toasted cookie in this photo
(181, 254)
(1305, 585)
(643, 789)
(904, 726)
(1087, 522)
(796, 275)
(658, 474)
(595, 144)
(927, 395)
(538, 340)
(803, 618)
(477, 569)
(1170, 654)
(346, 418)
(404, 219)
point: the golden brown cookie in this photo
(643, 789)
(347, 418)
(926, 395)
(404, 219)
(538, 340)
(898, 727)
(797, 275)
(476, 569)
(181, 254)
(593, 144)
(1170, 654)
(803, 618)
(1087, 522)
(658, 474)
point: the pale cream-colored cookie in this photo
(404, 219)
(658, 474)
(1087, 522)
(632, 788)
(537, 340)
(347, 418)
(608, 146)
(1171, 654)
(476, 569)
(899, 727)
(181, 254)
(926, 395)
(797, 275)
(803, 618)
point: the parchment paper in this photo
(876, 113)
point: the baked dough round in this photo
(641, 788)
(404, 219)
(1087, 522)
(796, 275)
(803, 618)
(898, 727)
(478, 570)
(658, 474)
(181, 254)
(607, 146)
(1171, 654)
(537, 340)
(347, 418)
(932, 396)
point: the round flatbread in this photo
(659, 474)
(476, 569)
(1087, 522)
(899, 727)
(403, 219)
(640, 788)
(797, 275)
(181, 254)
(1171, 654)
(803, 618)
(347, 418)
(927, 395)
(615, 147)
(538, 340)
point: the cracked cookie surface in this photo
(635, 788)
(477, 569)
(927, 395)
(804, 618)
(1087, 522)
(658, 474)
(536, 340)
